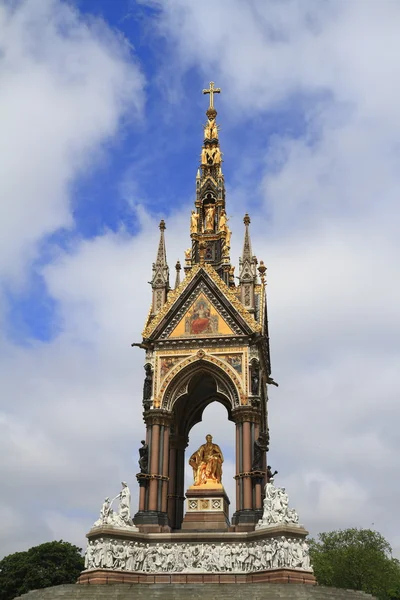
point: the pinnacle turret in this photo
(160, 279)
(247, 269)
(178, 273)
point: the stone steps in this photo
(265, 591)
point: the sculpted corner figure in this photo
(223, 221)
(194, 220)
(144, 457)
(207, 463)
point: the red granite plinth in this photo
(207, 508)
(105, 576)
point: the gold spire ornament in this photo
(212, 90)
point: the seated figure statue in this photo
(207, 463)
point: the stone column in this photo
(154, 460)
(164, 491)
(245, 417)
(153, 502)
(172, 486)
(247, 492)
(238, 466)
(257, 480)
(176, 497)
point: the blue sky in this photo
(151, 161)
(102, 114)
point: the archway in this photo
(215, 421)
(189, 393)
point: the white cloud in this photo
(65, 84)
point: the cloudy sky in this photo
(101, 114)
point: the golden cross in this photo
(212, 90)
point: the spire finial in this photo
(178, 273)
(211, 112)
(162, 225)
(262, 270)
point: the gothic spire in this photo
(160, 279)
(247, 268)
(178, 273)
(211, 236)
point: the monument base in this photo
(104, 577)
(274, 554)
(207, 509)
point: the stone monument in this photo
(206, 341)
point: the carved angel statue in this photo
(207, 463)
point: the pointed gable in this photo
(202, 305)
(202, 319)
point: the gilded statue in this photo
(216, 156)
(207, 463)
(228, 237)
(223, 221)
(211, 130)
(194, 220)
(188, 254)
(210, 214)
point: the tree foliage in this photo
(52, 563)
(358, 559)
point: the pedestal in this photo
(276, 554)
(207, 509)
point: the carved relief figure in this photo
(207, 463)
(209, 217)
(255, 556)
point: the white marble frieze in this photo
(177, 557)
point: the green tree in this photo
(52, 563)
(358, 559)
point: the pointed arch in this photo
(176, 384)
